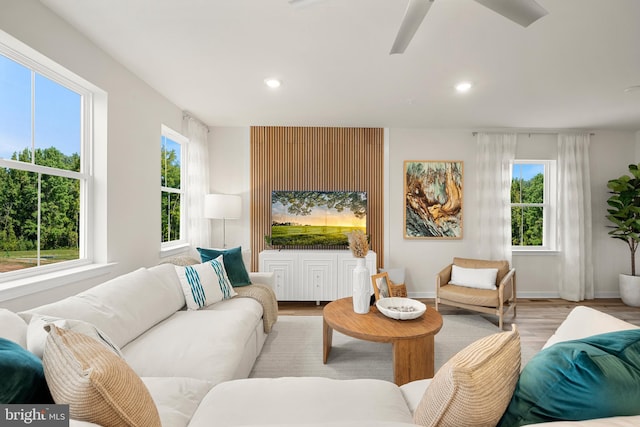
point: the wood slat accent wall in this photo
(316, 158)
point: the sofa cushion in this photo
(480, 278)
(204, 284)
(595, 377)
(583, 322)
(205, 344)
(22, 375)
(414, 391)
(98, 386)
(472, 296)
(233, 263)
(37, 335)
(13, 327)
(123, 307)
(287, 401)
(176, 398)
(474, 387)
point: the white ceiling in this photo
(210, 57)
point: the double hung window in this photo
(532, 205)
(172, 187)
(45, 167)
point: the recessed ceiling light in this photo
(463, 87)
(272, 83)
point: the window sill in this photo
(173, 250)
(31, 285)
(528, 252)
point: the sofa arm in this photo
(266, 278)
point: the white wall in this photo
(128, 187)
(229, 154)
(537, 274)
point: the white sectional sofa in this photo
(195, 363)
(180, 354)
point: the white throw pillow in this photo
(205, 284)
(37, 335)
(481, 278)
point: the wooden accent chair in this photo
(492, 301)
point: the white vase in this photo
(361, 287)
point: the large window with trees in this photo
(532, 200)
(172, 186)
(44, 172)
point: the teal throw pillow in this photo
(595, 377)
(233, 264)
(21, 376)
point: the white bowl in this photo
(401, 308)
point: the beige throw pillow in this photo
(475, 386)
(98, 386)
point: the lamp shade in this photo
(222, 206)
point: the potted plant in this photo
(624, 213)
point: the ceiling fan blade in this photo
(523, 12)
(413, 16)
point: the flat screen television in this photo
(316, 218)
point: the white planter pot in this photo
(630, 290)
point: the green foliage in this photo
(170, 208)
(527, 221)
(59, 205)
(624, 210)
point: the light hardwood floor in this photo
(537, 319)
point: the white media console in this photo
(312, 275)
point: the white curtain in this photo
(198, 232)
(574, 218)
(494, 161)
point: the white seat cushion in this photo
(203, 344)
(368, 423)
(584, 322)
(282, 401)
(176, 398)
(413, 392)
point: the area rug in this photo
(294, 348)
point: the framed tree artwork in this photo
(433, 199)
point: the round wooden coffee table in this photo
(412, 340)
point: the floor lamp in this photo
(224, 207)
